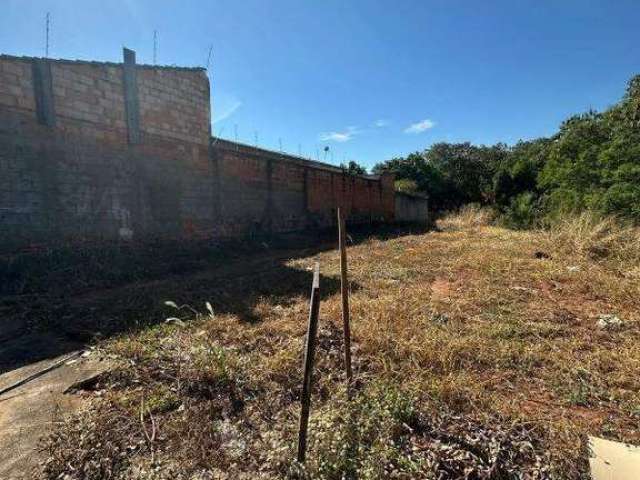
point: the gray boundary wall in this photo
(106, 151)
(411, 208)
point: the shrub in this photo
(406, 186)
(362, 438)
(386, 432)
(522, 212)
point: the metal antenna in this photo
(209, 56)
(155, 46)
(255, 133)
(46, 47)
(235, 134)
(299, 150)
(280, 143)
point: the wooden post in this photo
(309, 353)
(344, 290)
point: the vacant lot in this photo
(477, 352)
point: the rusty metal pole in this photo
(309, 353)
(344, 290)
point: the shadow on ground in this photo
(56, 301)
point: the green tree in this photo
(592, 162)
(518, 171)
(423, 177)
(354, 168)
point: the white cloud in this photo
(336, 137)
(420, 127)
(340, 137)
(381, 123)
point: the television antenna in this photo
(155, 46)
(46, 46)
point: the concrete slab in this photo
(28, 412)
(19, 348)
(613, 460)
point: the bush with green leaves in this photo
(592, 163)
(522, 212)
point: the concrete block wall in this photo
(89, 101)
(79, 178)
(411, 208)
(262, 191)
(16, 85)
(175, 104)
(70, 170)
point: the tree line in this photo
(592, 162)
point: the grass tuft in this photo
(468, 216)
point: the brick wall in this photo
(79, 178)
(263, 191)
(172, 104)
(16, 90)
(70, 169)
(89, 100)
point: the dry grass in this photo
(476, 351)
(599, 238)
(467, 217)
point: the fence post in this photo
(309, 353)
(344, 290)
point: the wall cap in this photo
(228, 145)
(63, 61)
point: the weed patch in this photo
(473, 357)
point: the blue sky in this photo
(370, 79)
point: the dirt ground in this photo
(81, 301)
(476, 349)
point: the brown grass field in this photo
(476, 351)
